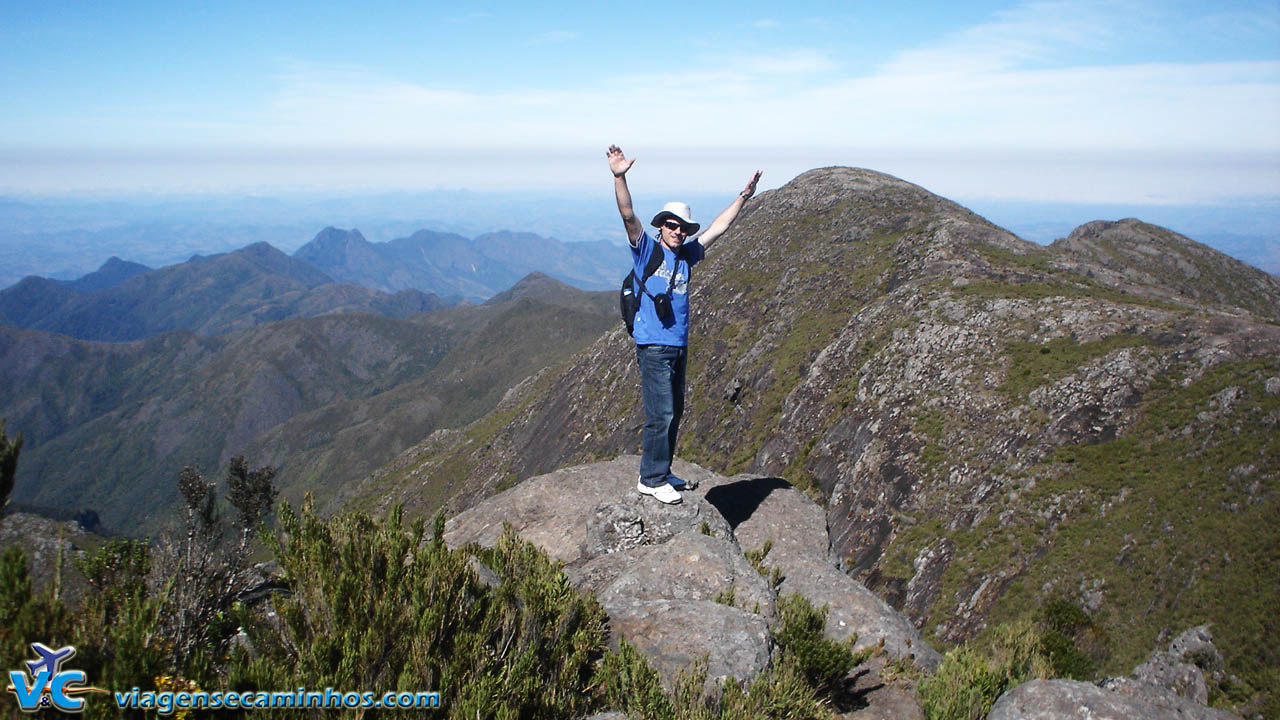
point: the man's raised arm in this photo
(729, 214)
(619, 165)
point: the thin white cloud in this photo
(1036, 31)
(1227, 106)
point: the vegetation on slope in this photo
(371, 605)
(1170, 526)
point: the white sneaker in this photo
(664, 492)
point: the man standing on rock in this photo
(662, 322)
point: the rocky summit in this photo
(675, 579)
(986, 424)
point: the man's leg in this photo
(677, 402)
(657, 370)
(677, 411)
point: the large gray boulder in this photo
(657, 569)
(1166, 685)
(547, 510)
(1170, 703)
(674, 634)
(853, 609)
(1075, 700)
(664, 573)
(670, 600)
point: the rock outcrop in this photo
(1180, 668)
(674, 578)
(1075, 700)
(1168, 684)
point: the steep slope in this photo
(109, 425)
(206, 295)
(988, 423)
(537, 323)
(449, 264)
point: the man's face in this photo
(673, 233)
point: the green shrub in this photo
(782, 693)
(383, 606)
(112, 629)
(969, 680)
(627, 682)
(727, 597)
(1071, 642)
(117, 627)
(116, 624)
(823, 662)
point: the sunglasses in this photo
(673, 225)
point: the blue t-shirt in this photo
(649, 330)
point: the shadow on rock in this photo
(738, 500)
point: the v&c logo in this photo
(48, 685)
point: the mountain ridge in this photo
(1137, 252)
(941, 386)
(208, 295)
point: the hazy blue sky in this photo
(1116, 101)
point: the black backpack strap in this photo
(651, 267)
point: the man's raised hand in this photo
(618, 163)
(750, 189)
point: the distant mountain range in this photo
(449, 264)
(338, 271)
(206, 295)
(326, 363)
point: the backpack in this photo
(629, 294)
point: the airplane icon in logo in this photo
(50, 659)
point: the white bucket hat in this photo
(678, 211)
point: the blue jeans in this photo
(662, 393)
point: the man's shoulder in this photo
(693, 251)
